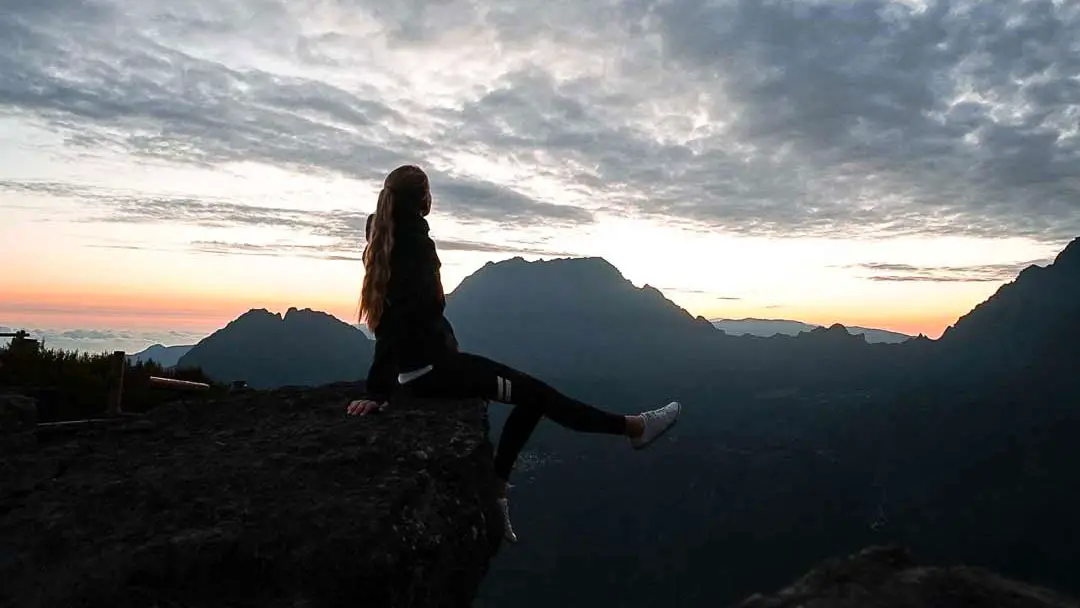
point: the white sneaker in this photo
(508, 530)
(657, 422)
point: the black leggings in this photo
(464, 376)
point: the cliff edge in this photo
(889, 577)
(266, 499)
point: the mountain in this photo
(879, 336)
(770, 327)
(764, 328)
(165, 356)
(268, 350)
(580, 317)
(842, 445)
(1032, 318)
(364, 328)
(582, 326)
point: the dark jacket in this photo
(413, 332)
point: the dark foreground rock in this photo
(266, 499)
(888, 577)
(18, 413)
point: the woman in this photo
(402, 302)
(382, 377)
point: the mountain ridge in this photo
(165, 356)
(269, 350)
(765, 328)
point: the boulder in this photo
(268, 499)
(18, 413)
(889, 577)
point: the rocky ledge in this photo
(889, 577)
(266, 499)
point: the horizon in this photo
(139, 338)
(169, 167)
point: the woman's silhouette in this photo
(402, 302)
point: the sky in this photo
(166, 166)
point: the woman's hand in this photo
(363, 407)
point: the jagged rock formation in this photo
(888, 577)
(1034, 317)
(268, 499)
(267, 350)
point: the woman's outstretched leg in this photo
(464, 375)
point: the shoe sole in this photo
(661, 433)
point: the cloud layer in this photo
(99, 340)
(344, 229)
(763, 117)
(983, 273)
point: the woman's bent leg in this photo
(519, 426)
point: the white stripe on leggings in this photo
(503, 391)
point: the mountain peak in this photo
(300, 314)
(303, 347)
(1070, 256)
(1030, 314)
(257, 314)
(564, 274)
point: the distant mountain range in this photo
(766, 328)
(770, 327)
(165, 356)
(580, 322)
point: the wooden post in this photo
(116, 383)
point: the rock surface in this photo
(18, 413)
(266, 499)
(888, 577)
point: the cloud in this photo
(957, 118)
(511, 248)
(336, 253)
(97, 74)
(106, 340)
(855, 118)
(345, 228)
(110, 205)
(689, 291)
(984, 273)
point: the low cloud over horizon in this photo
(105, 340)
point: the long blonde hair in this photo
(404, 187)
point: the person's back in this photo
(410, 327)
(413, 318)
